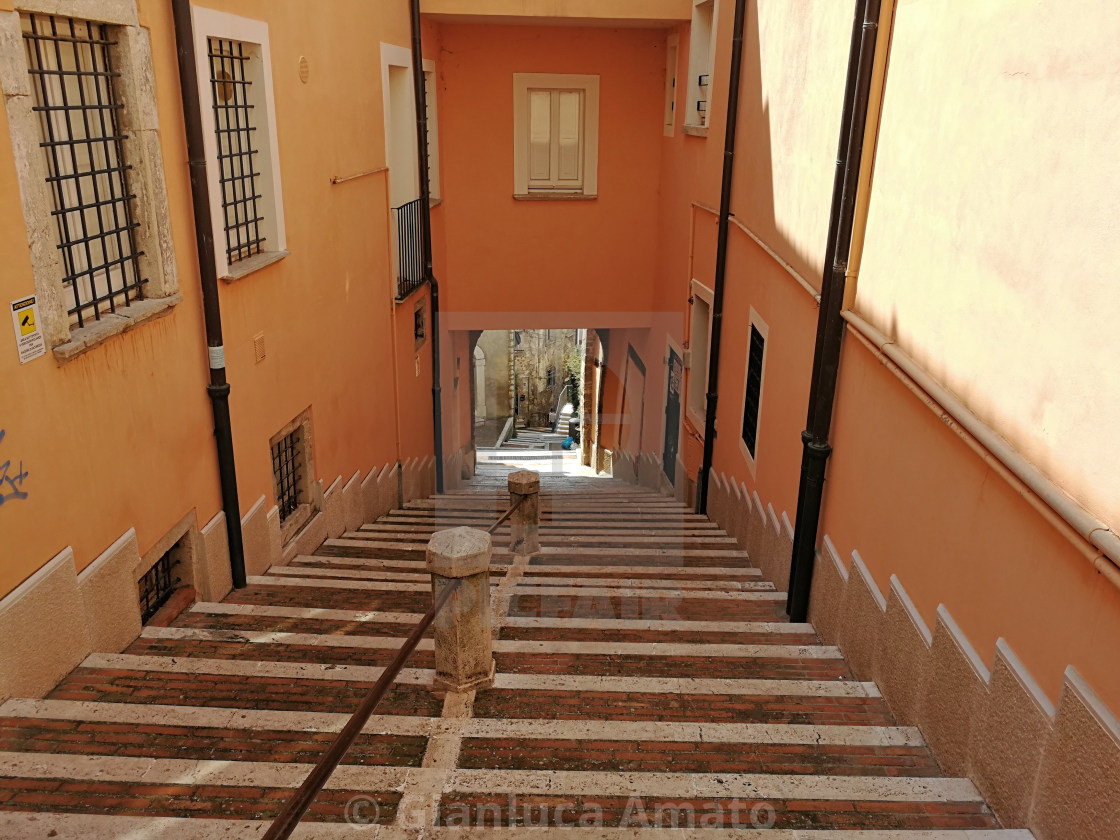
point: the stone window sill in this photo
(139, 312)
(543, 196)
(695, 130)
(294, 523)
(245, 267)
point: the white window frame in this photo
(132, 58)
(696, 413)
(209, 23)
(672, 71)
(430, 85)
(522, 83)
(396, 56)
(700, 64)
(764, 330)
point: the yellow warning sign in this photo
(29, 341)
(27, 321)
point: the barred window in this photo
(76, 101)
(157, 585)
(287, 472)
(235, 124)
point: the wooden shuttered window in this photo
(556, 144)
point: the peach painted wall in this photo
(788, 121)
(908, 493)
(790, 313)
(1001, 281)
(122, 436)
(538, 256)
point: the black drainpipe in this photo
(426, 231)
(830, 324)
(721, 251)
(218, 389)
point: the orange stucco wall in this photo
(538, 256)
(122, 437)
(903, 488)
(915, 500)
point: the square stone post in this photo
(524, 524)
(464, 650)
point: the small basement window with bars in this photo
(291, 474)
(73, 84)
(157, 585)
(286, 473)
(239, 150)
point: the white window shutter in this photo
(540, 135)
(569, 135)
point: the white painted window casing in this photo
(699, 339)
(252, 35)
(433, 128)
(556, 128)
(400, 124)
(700, 51)
(672, 58)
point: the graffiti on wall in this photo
(11, 485)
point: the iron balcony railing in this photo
(410, 252)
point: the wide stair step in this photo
(646, 677)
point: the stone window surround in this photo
(312, 492)
(210, 23)
(132, 58)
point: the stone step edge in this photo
(649, 649)
(503, 680)
(208, 717)
(546, 579)
(257, 774)
(639, 624)
(101, 827)
(640, 569)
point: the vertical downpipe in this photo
(218, 389)
(721, 253)
(830, 323)
(421, 97)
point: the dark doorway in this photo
(672, 415)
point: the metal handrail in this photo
(564, 390)
(297, 805)
(505, 515)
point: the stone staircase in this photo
(536, 439)
(646, 678)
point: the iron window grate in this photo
(754, 390)
(71, 67)
(237, 151)
(286, 465)
(156, 586)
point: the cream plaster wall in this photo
(991, 240)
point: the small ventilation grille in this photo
(258, 347)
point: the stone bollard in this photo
(524, 524)
(464, 650)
